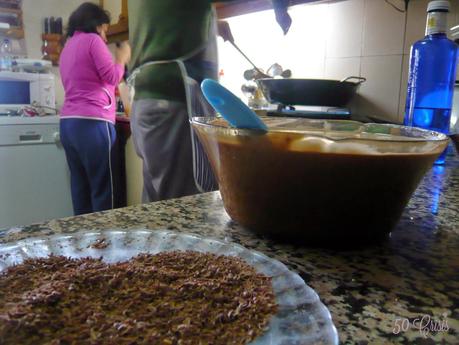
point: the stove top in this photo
(313, 112)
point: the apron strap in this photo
(196, 105)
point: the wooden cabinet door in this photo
(118, 31)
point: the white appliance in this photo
(35, 180)
(32, 65)
(21, 89)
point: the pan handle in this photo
(360, 79)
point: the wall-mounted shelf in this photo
(15, 33)
(11, 4)
(11, 14)
(16, 11)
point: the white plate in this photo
(301, 318)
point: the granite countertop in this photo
(413, 276)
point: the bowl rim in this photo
(429, 135)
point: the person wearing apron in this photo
(173, 50)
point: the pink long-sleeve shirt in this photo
(89, 76)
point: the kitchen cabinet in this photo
(35, 184)
(237, 8)
(134, 174)
(119, 31)
(130, 165)
(11, 14)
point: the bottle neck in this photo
(436, 23)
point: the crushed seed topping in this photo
(100, 243)
(168, 298)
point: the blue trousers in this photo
(88, 148)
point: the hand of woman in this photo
(123, 53)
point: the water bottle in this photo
(5, 55)
(432, 75)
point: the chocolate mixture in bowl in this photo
(318, 182)
(168, 298)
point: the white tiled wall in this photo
(379, 95)
(340, 68)
(336, 39)
(114, 8)
(380, 60)
(383, 28)
(345, 35)
(303, 50)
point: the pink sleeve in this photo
(109, 71)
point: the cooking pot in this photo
(319, 92)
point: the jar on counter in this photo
(6, 62)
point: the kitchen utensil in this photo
(46, 27)
(253, 74)
(58, 26)
(231, 107)
(286, 74)
(326, 182)
(323, 92)
(301, 316)
(248, 89)
(52, 25)
(275, 70)
(455, 140)
(250, 61)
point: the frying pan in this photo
(319, 92)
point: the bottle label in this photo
(436, 23)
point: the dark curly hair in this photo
(86, 18)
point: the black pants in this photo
(88, 148)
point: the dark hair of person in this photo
(86, 18)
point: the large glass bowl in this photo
(318, 180)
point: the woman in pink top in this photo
(89, 75)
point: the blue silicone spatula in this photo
(231, 107)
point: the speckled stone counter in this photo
(407, 285)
